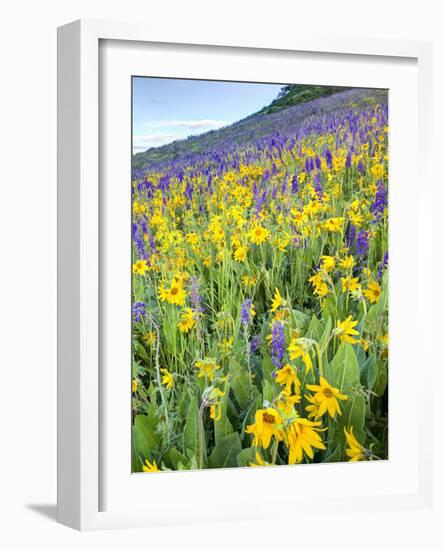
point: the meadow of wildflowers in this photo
(260, 292)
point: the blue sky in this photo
(167, 109)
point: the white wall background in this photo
(28, 254)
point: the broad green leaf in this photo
(267, 367)
(353, 414)
(240, 383)
(176, 458)
(191, 431)
(335, 455)
(382, 380)
(315, 329)
(136, 465)
(326, 333)
(246, 456)
(301, 319)
(140, 349)
(145, 438)
(373, 372)
(225, 452)
(269, 391)
(343, 371)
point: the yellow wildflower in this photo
(241, 253)
(348, 262)
(225, 346)
(349, 284)
(334, 225)
(187, 320)
(259, 461)
(249, 280)
(259, 234)
(286, 401)
(150, 338)
(297, 350)
(355, 450)
(150, 466)
(302, 438)
(206, 367)
(175, 294)
(287, 376)
(168, 379)
(345, 330)
(277, 301)
(268, 424)
(215, 409)
(140, 267)
(320, 287)
(373, 292)
(327, 263)
(327, 398)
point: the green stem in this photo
(274, 451)
(200, 432)
(319, 358)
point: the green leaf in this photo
(335, 456)
(326, 333)
(373, 369)
(269, 391)
(146, 440)
(223, 427)
(190, 432)
(240, 383)
(343, 371)
(140, 350)
(315, 329)
(245, 456)
(301, 319)
(225, 452)
(382, 379)
(177, 459)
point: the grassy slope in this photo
(290, 96)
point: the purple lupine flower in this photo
(294, 184)
(361, 243)
(194, 296)
(284, 186)
(317, 186)
(384, 264)
(348, 163)
(350, 237)
(328, 157)
(255, 344)
(138, 311)
(138, 241)
(245, 313)
(278, 343)
(360, 167)
(317, 162)
(380, 201)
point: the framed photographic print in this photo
(236, 224)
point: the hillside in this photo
(286, 115)
(294, 94)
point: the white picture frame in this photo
(81, 470)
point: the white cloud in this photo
(141, 143)
(178, 129)
(207, 123)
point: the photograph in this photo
(259, 245)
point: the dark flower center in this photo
(268, 418)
